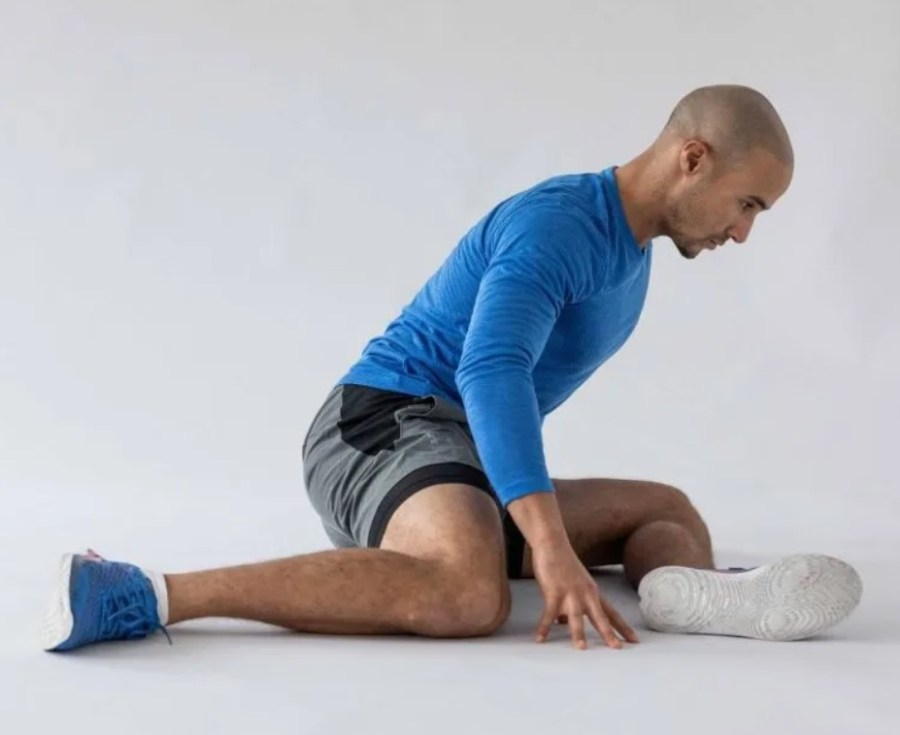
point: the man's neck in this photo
(639, 190)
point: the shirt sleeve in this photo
(544, 259)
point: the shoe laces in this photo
(129, 610)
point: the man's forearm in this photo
(538, 517)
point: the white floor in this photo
(231, 677)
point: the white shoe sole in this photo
(58, 620)
(796, 598)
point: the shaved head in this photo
(722, 158)
(732, 120)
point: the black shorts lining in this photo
(437, 474)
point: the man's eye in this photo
(746, 205)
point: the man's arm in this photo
(544, 258)
(548, 260)
(539, 518)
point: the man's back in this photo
(535, 297)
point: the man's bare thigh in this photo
(455, 524)
(600, 514)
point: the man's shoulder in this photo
(563, 201)
(565, 195)
(582, 183)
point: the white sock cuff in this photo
(162, 595)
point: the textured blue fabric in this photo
(541, 291)
(110, 601)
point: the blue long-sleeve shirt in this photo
(538, 294)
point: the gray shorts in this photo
(368, 450)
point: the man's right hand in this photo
(569, 590)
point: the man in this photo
(426, 463)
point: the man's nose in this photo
(740, 232)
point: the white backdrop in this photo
(207, 209)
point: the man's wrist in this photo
(539, 519)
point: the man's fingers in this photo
(618, 622)
(576, 626)
(598, 618)
(546, 621)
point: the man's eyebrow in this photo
(759, 201)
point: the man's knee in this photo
(456, 529)
(672, 504)
(462, 606)
(484, 605)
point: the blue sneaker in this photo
(99, 600)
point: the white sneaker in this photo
(796, 598)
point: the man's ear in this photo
(695, 156)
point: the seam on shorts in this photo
(433, 474)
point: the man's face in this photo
(709, 207)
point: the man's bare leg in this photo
(363, 591)
(441, 572)
(655, 531)
(642, 525)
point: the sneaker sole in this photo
(799, 597)
(58, 620)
